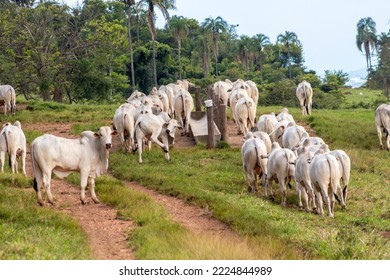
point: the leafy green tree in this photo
(163, 6)
(214, 27)
(334, 80)
(366, 38)
(129, 5)
(179, 30)
(289, 41)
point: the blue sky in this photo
(326, 29)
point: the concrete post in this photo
(210, 124)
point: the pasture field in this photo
(214, 180)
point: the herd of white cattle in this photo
(280, 150)
(275, 148)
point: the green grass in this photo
(156, 236)
(29, 232)
(214, 179)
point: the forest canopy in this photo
(103, 50)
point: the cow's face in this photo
(105, 136)
(171, 128)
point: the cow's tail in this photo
(7, 146)
(305, 94)
(13, 101)
(35, 184)
(331, 179)
(249, 105)
(263, 166)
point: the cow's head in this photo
(105, 136)
(170, 127)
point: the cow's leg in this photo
(2, 159)
(310, 191)
(139, 144)
(46, 178)
(332, 202)
(379, 132)
(320, 209)
(38, 187)
(300, 191)
(14, 164)
(23, 155)
(91, 183)
(83, 184)
(154, 138)
(326, 199)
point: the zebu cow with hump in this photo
(13, 142)
(87, 155)
(304, 93)
(267, 123)
(7, 94)
(382, 121)
(183, 104)
(254, 162)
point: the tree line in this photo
(103, 50)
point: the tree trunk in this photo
(154, 64)
(131, 49)
(179, 48)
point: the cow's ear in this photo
(165, 125)
(115, 132)
(96, 134)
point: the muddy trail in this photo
(107, 235)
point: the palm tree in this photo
(260, 41)
(287, 40)
(366, 38)
(244, 52)
(179, 29)
(215, 26)
(163, 6)
(130, 3)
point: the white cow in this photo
(302, 180)
(265, 138)
(235, 95)
(279, 129)
(382, 121)
(163, 98)
(254, 161)
(149, 126)
(253, 91)
(245, 116)
(285, 115)
(88, 155)
(222, 90)
(293, 135)
(183, 104)
(136, 95)
(7, 94)
(304, 93)
(13, 141)
(281, 168)
(185, 84)
(124, 125)
(267, 124)
(345, 169)
(170, 94)
(325, 178)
